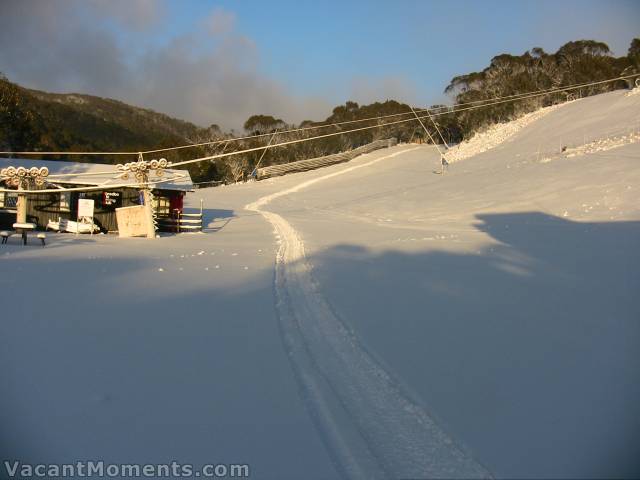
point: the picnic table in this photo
(23, 228)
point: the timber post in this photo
(148, 210)
(21, 207)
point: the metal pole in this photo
(426, 130)
(255, 170)
(201, 215)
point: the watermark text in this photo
(101, 469)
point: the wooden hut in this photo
(45, 207)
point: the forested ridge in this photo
(39, 121)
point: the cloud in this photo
(220, 22)
(209, 75)
(45, 46)
(222, 85)
(137, 15)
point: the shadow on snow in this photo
(528, 350)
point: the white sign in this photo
(85, 208)
(134, 222)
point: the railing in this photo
(180, 222)
(210, 183)
(313, 163)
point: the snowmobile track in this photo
(370, 427)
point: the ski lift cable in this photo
(96, 187)
(265, 150)
(438, 130)
(427, 130)
(221, 155)
(296, 141)
(396, 122)
(449, 109)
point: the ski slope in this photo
(391, 437)
(366, 320)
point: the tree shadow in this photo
(528, 350)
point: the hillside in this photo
(39, 120)
(367, 320)
(142, 121)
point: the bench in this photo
(5, 236)
(24, 228)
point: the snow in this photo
(388, 434)
(365, 320)
(603, 145)
(495, 135)
(634, 91)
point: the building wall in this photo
(42, 208)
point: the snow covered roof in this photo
(95, 174)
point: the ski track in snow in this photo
(370, 427)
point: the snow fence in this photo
(313, 163)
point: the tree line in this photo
(32, 120)
(577, 62)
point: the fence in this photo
(312, 163)
(180, 222)
(210, 183)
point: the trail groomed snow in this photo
(370, 426)
(494, 135)
(478, 323)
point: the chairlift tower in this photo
(141, 170)
(23, 179)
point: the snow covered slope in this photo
(366, 320)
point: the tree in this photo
(634, 52)
(581, 61)
(258, 124)
(538, 52)
(583, 47)
(465, 83)
(17, 130)
(237, 168)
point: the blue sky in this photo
(311, 44)
(220, 61)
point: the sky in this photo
(220, 62)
